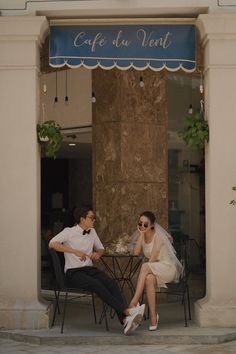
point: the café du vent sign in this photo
(154, 46)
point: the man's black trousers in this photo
(96, 281)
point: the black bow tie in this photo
(86, 232)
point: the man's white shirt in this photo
(73, 237)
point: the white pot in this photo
(44, 139)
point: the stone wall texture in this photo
(129, 149)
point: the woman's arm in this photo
(138, 246)
(158, 242)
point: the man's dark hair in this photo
(81, 212)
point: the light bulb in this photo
(141, 82)
(201, 87)
(44, 88)
(93, 97)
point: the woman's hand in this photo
(140, 231)
(138, 245)
(141, 234)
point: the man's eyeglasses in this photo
(91, 217)
(144, 224)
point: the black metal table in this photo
(122, 267)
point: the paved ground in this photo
(8, 346)
(80, 330)
(82, 336)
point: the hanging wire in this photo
(43, 112)
(56, 97)
(202, 107)
(66, 88)
(201, 87)
(190, 108)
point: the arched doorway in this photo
(147, 107)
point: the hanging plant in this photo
(50, 138)
(233, 202)
(195, 131)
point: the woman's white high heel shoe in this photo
(154, 328)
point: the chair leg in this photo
(56, 307)
(94, 310)
(185, 312)
(101, 317)
(54, 315)
(105, 315)
(188, 299)
(57, 294)
(64, 312)
(112, 313)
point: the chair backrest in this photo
(182, 254)
(57, 269)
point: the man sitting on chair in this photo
(81, 246)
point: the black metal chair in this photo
(60, 289)
(181, 289)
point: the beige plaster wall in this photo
(20, 182)
(156, 8)
(218, 34)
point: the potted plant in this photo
(50, 137)
(195, 131)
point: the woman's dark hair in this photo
(81, 212)
(149, 215)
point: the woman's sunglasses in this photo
(144, 224)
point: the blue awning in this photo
(170, 46)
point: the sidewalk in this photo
(11, 347)
(80, 329)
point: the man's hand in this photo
(81, 255)
(94, 256)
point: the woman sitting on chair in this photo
(162, 265)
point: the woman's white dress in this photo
(163, 267)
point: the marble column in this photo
(129, 149)
(20, 307)
(218, 34)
